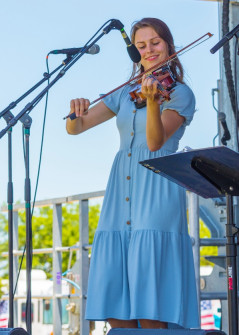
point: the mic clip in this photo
(114, 24)
(226, 133)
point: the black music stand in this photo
(210, 173)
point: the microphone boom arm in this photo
(14, 103)
(28, 108)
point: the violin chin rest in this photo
(140, 104)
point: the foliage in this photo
(42, 222)
(42, 235)
(3, 244)
(1, 288)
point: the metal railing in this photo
(83, 248)
(57, 251)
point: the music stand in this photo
(210, 173)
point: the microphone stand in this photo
(12, 122)
(10, 224)
(28, 229)
(232, 231)
(46, 76)
(26, 119)
(106, 30)
(71, 62)
(8, 116)
(10, 230)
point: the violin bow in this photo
(156, 66)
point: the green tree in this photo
(42, 235)
(42, 221)
(3, 244)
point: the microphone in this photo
(226, 136)
(94, 49)
(225, 39)
(131, 48)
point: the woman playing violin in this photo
(142, 270)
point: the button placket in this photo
(128, 176)
(132, 133)
(128, 222)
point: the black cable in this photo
(42, 141)
(36, 187)
(38, 174)
(227, 59)
(236, 54)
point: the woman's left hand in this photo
(149, 88)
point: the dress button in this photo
(127, 199)
(128, 177)
(132, 133)
(134, 111)
(128, 222)
(129, 154)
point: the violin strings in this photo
(180, 54)
(159, 65)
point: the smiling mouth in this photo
(151, 58)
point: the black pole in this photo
(28, 231)
(226, 179)
(8, 116)
(231, 254)
(10, 230)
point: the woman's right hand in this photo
(84, 120)
(79, 106)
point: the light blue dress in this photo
(142, 264)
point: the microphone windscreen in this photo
(134, 53)
(95, 49)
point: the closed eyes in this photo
(143, 46)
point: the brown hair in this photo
(163, 31)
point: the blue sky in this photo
(30, 29)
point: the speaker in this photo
(141, 331)
(13, 331)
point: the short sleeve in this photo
(182, 101)
(113, 100)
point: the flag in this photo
(3, 314)
(207, 316)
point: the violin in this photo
(165, 79)
(165, 83)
